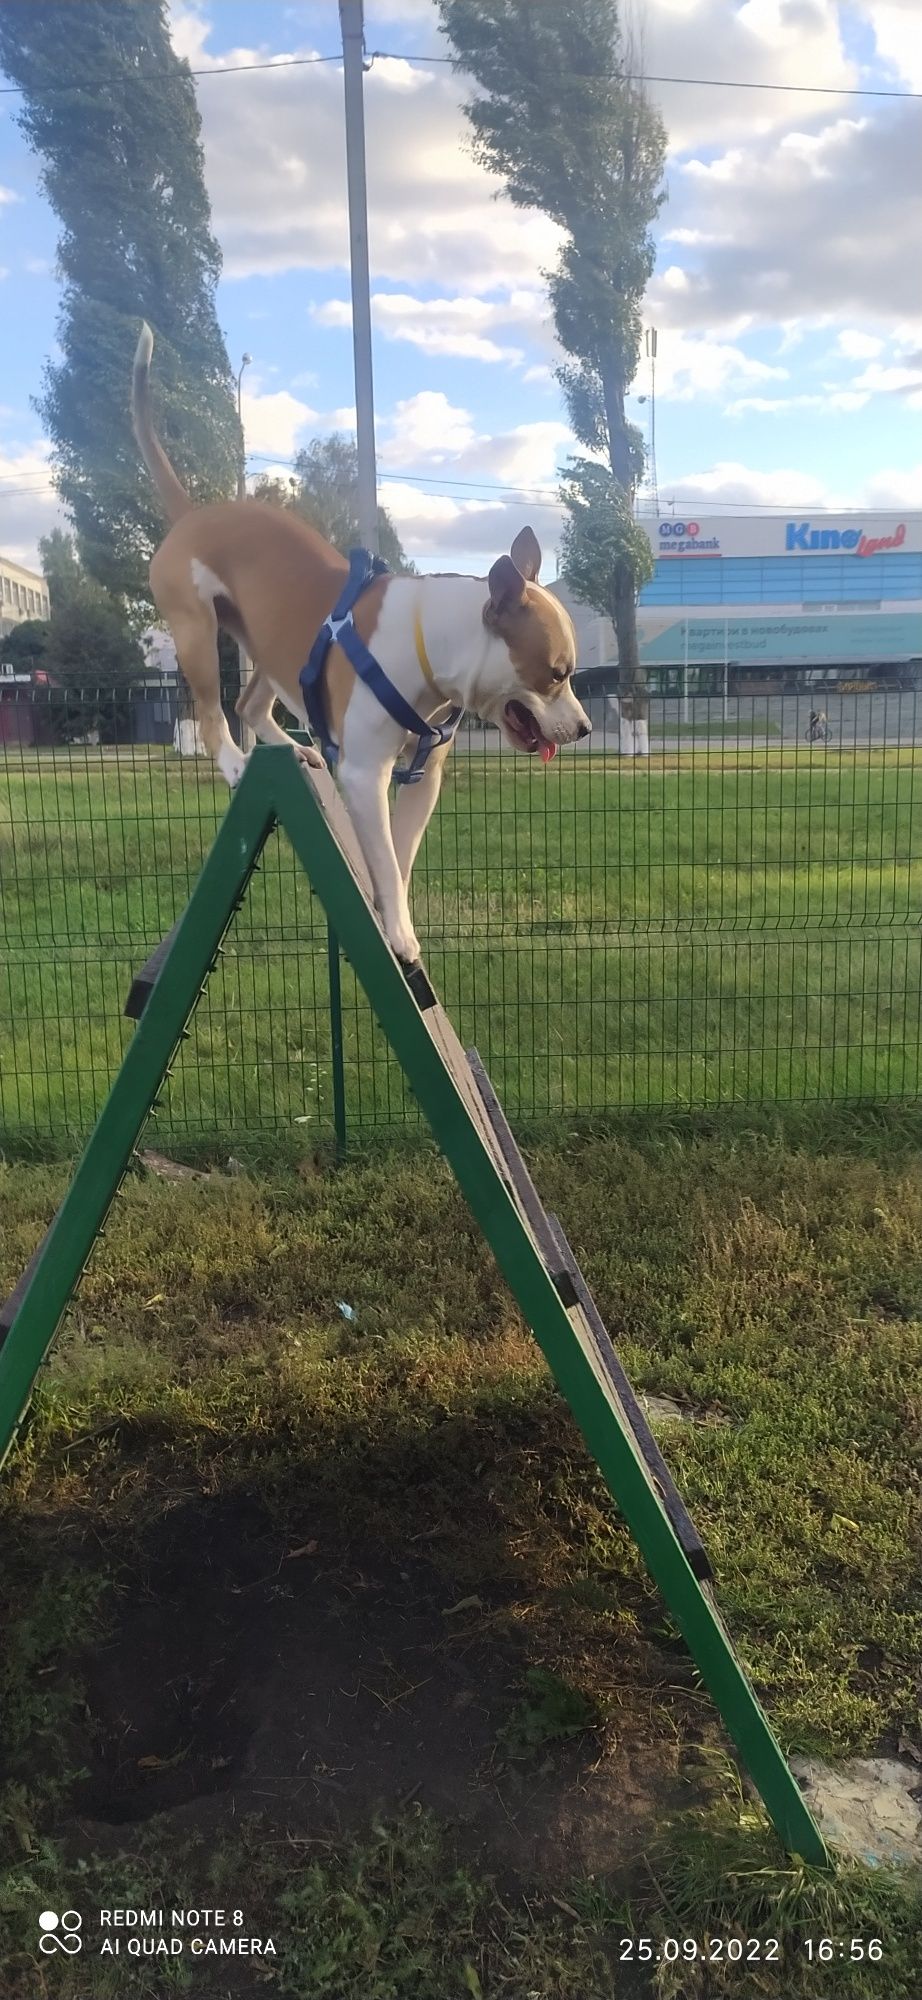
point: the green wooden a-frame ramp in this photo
(455, 1094)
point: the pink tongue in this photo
(548, 750)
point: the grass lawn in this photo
(690, 931)
(330, 1620)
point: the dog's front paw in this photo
(306, 754)
(404, 942)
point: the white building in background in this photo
(818, 595)
(159, 651)
(23, 594)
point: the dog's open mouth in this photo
(524, 731)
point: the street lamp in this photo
(242, 475)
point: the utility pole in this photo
(650, 344)
(351, 23)
(242, 473)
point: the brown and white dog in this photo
(502, 647)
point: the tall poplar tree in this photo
(111, 112)
(574, 136)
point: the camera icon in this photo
(60, 1933)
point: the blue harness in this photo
(340, 628)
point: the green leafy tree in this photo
(325, 490)
(111, 112)
(575, 137)
(93, 656)
(90, 641)
(600, 534)
(91, 651)
(24, 647)
(61, 569)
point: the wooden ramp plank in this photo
(11, 1305)
(586, 1320)
(529, 1200)
(614, 1369)
(144, 981)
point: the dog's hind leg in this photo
(195, 636)
(254, 707)
(193, 622)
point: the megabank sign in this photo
(684, 538)
(800, 538)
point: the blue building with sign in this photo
(812, 597)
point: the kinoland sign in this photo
(800, 536)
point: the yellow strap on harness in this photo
(423, 656)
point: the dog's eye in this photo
(558, 674)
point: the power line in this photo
(158, 75)
(392, 55)
(706, 82)
(700, 502)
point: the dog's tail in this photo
(176, 500)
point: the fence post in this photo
(336, 1040)
(685, 677)
(726, 665)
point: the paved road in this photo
(857, 721)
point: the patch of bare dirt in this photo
(317, 1686)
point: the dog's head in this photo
(526, 687)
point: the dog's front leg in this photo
(413, 809)
(364, 789)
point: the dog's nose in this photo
(585, 729)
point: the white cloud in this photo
(689, 367)
(432, 526)
(274, 422)
(768, 41)
(189, 30)
(526, 455)
(461, 327)
(7, 196)
(895, 487)
(426, 426)
(728, 484)
(275, 168)
(29, 506)
(897, 27)
(857, 346)
(817, 226)
(832, 399)
(892, 381)
(428, 431)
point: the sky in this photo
(786, 295)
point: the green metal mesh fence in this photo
(734, 918)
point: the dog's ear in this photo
(526, 554)
(507, 585)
